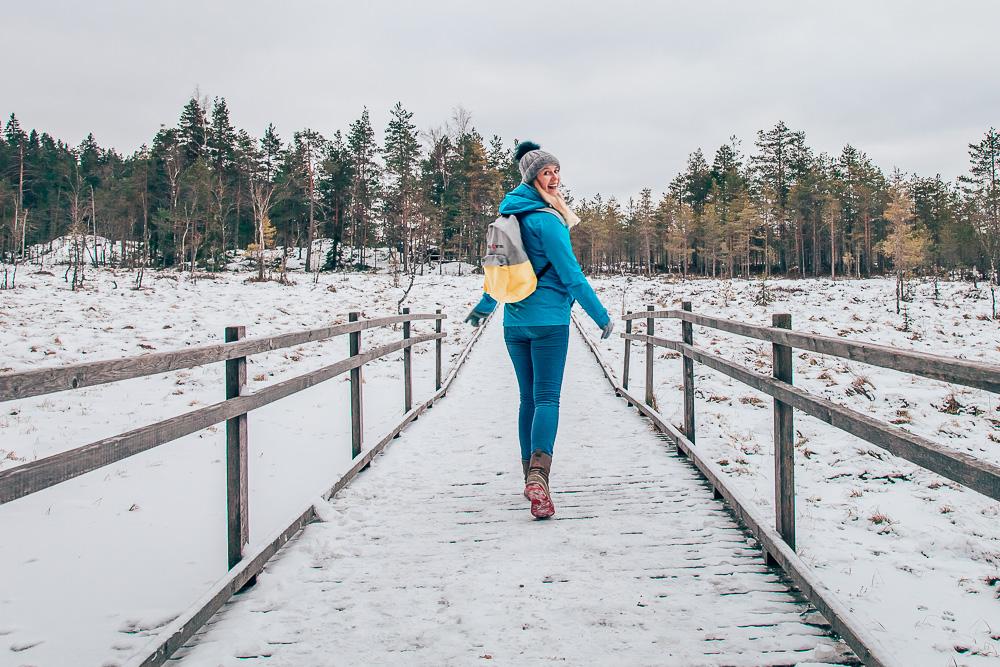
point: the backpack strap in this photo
(548, 265)
(555, 213)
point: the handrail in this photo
(24, 384)
(37, 475)
(980, 375)
(976, 474)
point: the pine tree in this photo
(362, 151)
(982, 188)
(262, 168)
(220, 151)
(475, 191)
(861, 188)
(402, 154)
(438, 184)
(934, 209)
(780, 159)
(192, 130)
(220, 141)
(335, 181)
(645, 224)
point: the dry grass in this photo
(859, 387)
(902, 417)
(883, 522)
(752, 400)
(951, 406)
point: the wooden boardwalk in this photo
(431, 557)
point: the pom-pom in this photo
(524, 147)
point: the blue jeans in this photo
(539, 357)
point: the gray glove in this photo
(608, 328)
(475, 316)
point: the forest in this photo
(204, 192)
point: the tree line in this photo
(785, 209)
(204, 189)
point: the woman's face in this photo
(548, 179)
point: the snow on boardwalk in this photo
(431, 557)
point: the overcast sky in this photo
(620, 91)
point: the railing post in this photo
(784, 439)
(437, 353)
(650, 330)
(237, 499)
(357, 431)
(687, 337)
(407, 367)
(628, 355)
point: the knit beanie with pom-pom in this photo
(531, 159)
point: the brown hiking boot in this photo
(536, 485)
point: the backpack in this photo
(509, 276)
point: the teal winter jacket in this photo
(546, 239)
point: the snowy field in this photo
(97, 562)
(101, 560)
(915, 554)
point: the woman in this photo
(536, 329)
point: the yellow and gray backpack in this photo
(509, 276)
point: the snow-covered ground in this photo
(91, 562)
(913, 552)
(57, 255)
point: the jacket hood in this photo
(521, 199)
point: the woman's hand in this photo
(608, 328)
(475, 317)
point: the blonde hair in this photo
(557, 202)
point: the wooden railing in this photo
(981, 476)
(779, 542)
(38, 475)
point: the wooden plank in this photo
(958, 371)
(237, 494)
(650, 331)
(784, 438)
(357, 404)
(649, 312)
(687, 335)
(438, 353)
(981, 476)
(628, 353)
(868, 649)
(176, 634)
(74, 376)
(37, 475)
(407, 368)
